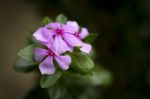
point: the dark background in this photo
(123, 44)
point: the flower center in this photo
(59, 31)
(77, 35)
(50, 53)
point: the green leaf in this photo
(101, 76)
(57, 91)
(27, 53)
(61, 18)
(22, 65)
(50, 80)
(82, 63)
(90, 38)
(46, 20)
(25, 61)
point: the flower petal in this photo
(73, 24)
(71, 27)
(50, 42)
(43, 35)
(40, 53)
(86, 48)
(84, 33)
(63, 61)
(59, 45)
(72, 40)
(53, 25)
(47, 66)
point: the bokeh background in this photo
(123, 44)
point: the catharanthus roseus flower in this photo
(46, 57)
(62, 36)
(80, 35)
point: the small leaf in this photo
(50, 80)
(100, 77)
(46, 20)
(90, 38)
(25, 61)
(81, 63)
(27, 53)
(22, 65)
(61, 18)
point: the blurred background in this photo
(123, 44)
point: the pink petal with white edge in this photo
(72, 40)
(47, 66)
(86, 48)
(53, 25)
(40, 53)
(84, 33)
(71, 27)
(43, 35)
(59, 45)
(63, 61)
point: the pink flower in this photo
(80, 35)
(62, 37)
(46, 57)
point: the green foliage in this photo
(25, 62)
(61, 18)
(81, 63)
(46, 20)
(23, 65)
(27, 53)
(100, 76)
(50, 80)
(90, 38)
